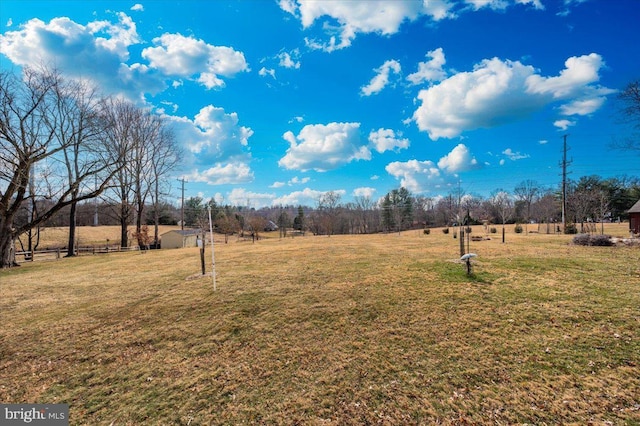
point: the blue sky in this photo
(276, 102)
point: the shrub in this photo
(601, 240)
(468, 229)
(445, 231)
(426, 231)
(571, 228)
(518, 229)
(582, 239)
(592, 240)
(493, 230)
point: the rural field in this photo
(341, 330)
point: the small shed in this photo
(634, 218)
(180, 238)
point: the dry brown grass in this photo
(88, 235)
(342, 330)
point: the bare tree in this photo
(123, 118)
(629, 101)
(502, 205)
(527, 192)
(328, 210)
(164, 157)
(30, 139)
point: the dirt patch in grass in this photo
(340, 330)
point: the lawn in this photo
(339, 330)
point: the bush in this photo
(518, 229)
(426, 231)
(582, 239)
(445, 231)
(468, 229)
(571, 228)
(601, 240)
(493, 230)
(592, 240)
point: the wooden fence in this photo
(57, 253)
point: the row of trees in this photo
(590, 200)
(63, 143)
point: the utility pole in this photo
(182, 207)
(564, 183)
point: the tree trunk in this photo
(7, 244)
(71, 243)
(124, 219)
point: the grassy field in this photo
(377, 329)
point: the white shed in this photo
(180, 238)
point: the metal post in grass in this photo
(213, 259)
(467, 260)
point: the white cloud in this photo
(513, 156)
(458, 160)
(498, 92)
(323, 147)
(431, 70)
(578, 73)
(297, 181)
(9, 22)
(543, 142)
(137, 7)
(364, 191)
(387, 140)
(381, 78)
(242, 197)
(213, 136)
(96, 51)
(360, 16)
(583, 106)
(492, 4)
(563, 124)
(277, 185)
(416, 176)
(177, 55)
(537, 4)
(289, 59)
(266, 71)
(306, 197)
(223, 174)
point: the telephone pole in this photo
(182, 206)
(564, 182)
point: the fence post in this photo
(58, 253)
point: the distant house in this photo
(180, 238)
(634, 218)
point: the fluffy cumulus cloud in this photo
(177, 55)
(381, 79)
(498, 92)
(458, 160)
(97, 51)
(360, 16)
(242, 197)
(306, 197)
(137, 7)
(323, 147)
(364, 191)
(223, 174)
(387, 140)
(431, 70)
(415, 175)
(215, 137)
